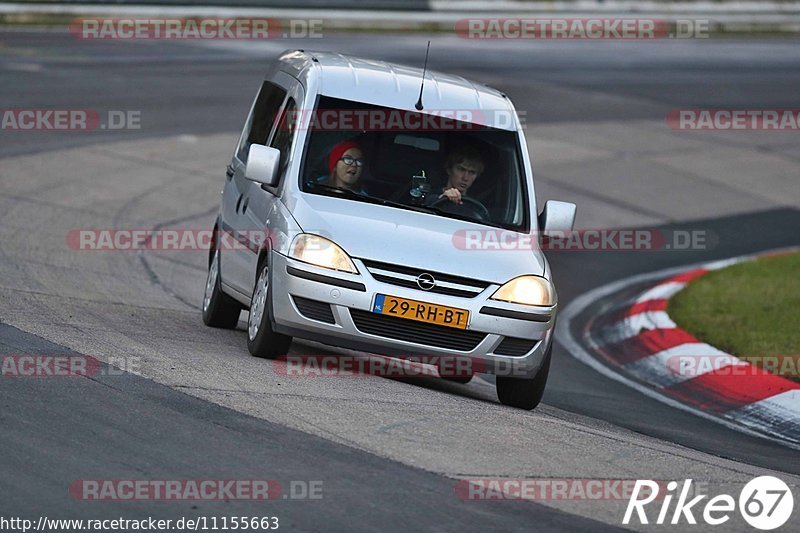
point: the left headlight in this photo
(526, 290)
(321, 252)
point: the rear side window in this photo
(282, 140)
(262, 118)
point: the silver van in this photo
(377, 207)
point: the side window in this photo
(282, 140)
(261, 119)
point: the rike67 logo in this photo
(765, 503)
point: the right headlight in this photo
(526, 290)
(321, 252)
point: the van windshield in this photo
(431, 162)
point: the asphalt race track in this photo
(388, 452)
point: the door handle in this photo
(239, 202)
(229, 170)
(244, 206)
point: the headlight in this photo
(526, 290)
(321, 252)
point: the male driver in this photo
(464, 165)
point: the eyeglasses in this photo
(348, 160)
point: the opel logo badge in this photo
(425, 281)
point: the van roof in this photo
(397, 86)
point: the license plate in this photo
(421, 311)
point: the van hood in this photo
(414, 239)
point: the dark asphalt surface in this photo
(121, 426)
(186, 89)
(128, 425)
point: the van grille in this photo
(404, 276)
(416, 332)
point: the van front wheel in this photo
(524, 393)
(262, 340)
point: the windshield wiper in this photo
(353, 195)
(346, 193)
(449, 214)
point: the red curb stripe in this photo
(725, 390)
(648, 305)
(646, 344)
(652, 341)
(686, 277)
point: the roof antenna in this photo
(418, 105)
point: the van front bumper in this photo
(335, 308)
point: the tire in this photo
(262, 341)
(524, 393)
(219, 309)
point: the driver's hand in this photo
(452, 194)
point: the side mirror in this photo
(262, 164)
(557, 216)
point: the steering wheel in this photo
(469, 207)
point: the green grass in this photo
(751, 310)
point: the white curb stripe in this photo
(776, 419)
(632, 326)
(719, 265)
(781, 412)
(680, 363)
(663, 291)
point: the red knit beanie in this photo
(338, 151)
